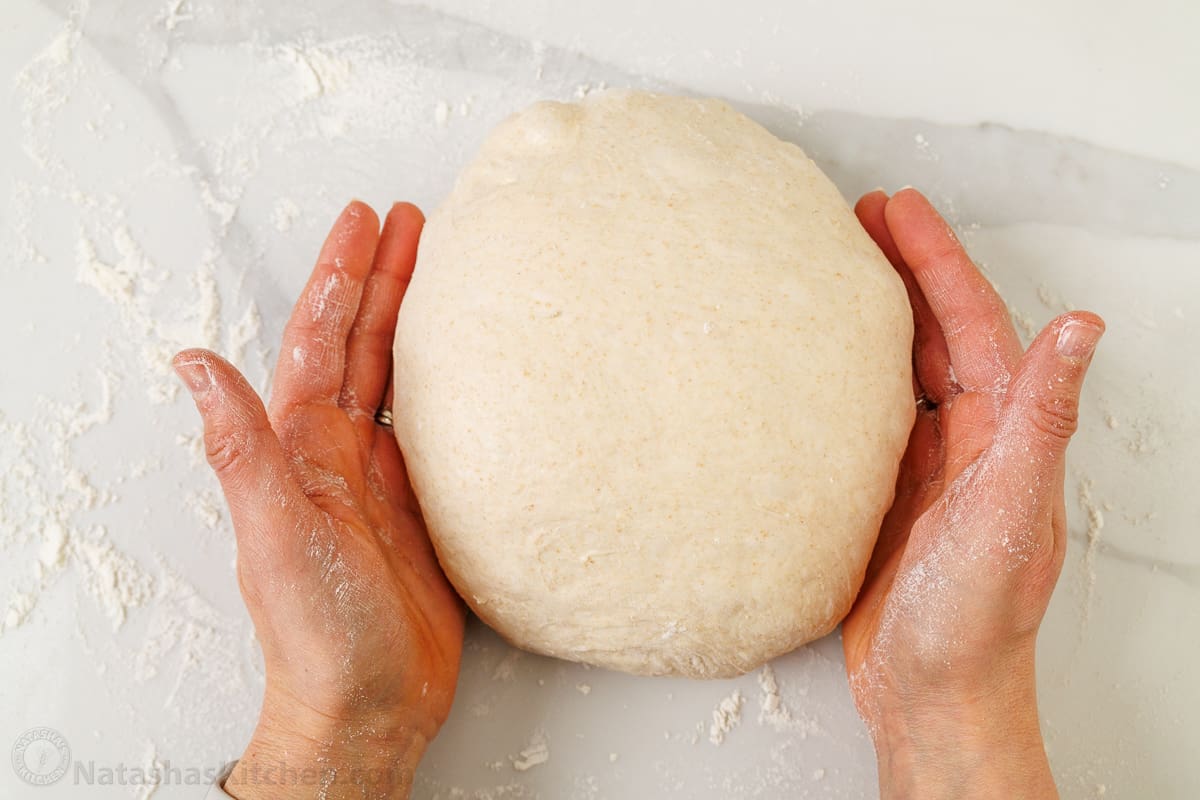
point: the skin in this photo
(361, 633)
(940, 643)
(939, 646)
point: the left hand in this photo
(360, 631)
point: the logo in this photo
(41, 756)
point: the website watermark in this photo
(42, 757)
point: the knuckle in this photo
(1056, 416)
(225, 452)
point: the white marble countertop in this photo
(170, 166)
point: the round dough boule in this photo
(653, 384)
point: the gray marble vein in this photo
(1090, 187)
(1185, 573)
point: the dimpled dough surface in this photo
(652, 387)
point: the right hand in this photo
(940, 643)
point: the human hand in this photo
(360, 631)
(940, 642)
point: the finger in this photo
(311, 366)
(1041, 408)
(980, 339)
(968, 425)
(242, 448)
(1042, 404)
(390, 475)
(931, 360)
(369, 349)
(390, 482)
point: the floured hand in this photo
(940, 643)
(361, 633)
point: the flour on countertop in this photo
(441, 113)
(134, 286)
(534, 754)
(1052, 300)
(1143, 436)
(775, 713)
(772, 710)
(205, 506)
(432, 790)
(151, 769)
(82, 470)
(285, 214)
(45, 491)
(1026, 327)
(925, 150)
(1094, 516)
(726, 716)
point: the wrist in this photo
(950, 742)
(296, 752)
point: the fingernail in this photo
(195, 376)
(1077, 339)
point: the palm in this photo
(366, 559)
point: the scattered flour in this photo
(584, 89)
(174, 14)
(205, 506)
(1095, 528)
(81, 470)
(772, 711)
(1144, 437)
(134, 286)
(432, 790)
(285, 214)
(925, 150)
(1052, 300)
(113, 579)
(725, 717)
(44, 497)
(441, 113)
(151, 768)
(1024, 324)
(534, 754)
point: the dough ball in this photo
(653, 384)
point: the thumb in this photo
(1040, 414)
(241, 446)
(1042, 404)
